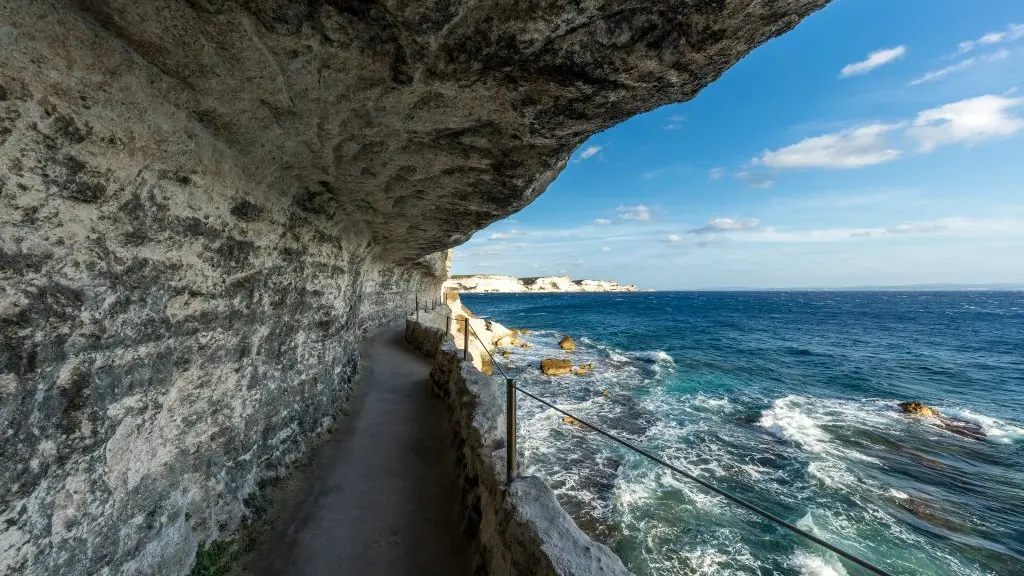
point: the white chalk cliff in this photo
(502, 283)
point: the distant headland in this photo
(503, 283)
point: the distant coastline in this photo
(503, 284)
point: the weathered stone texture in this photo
(167, 339)
(517, 530)
(204, 203)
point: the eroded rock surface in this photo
(204, 203)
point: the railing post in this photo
(465, 339)
(510, 431)
(447, 325)
(417, 308)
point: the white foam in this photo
(617, 357)
(710, 402)
(995, 430)
(655, 356)
(811, 565)
(898, 494)
(785, 420)
(831, 473)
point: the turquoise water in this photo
(787, 399)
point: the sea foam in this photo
(995, 430)
(811, 565)
(785, 420)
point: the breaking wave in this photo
(815, 437)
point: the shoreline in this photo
(819, 428)
(517, 528)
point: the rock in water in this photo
(204, 205)
(555, 366)
(567, 343)
(919, 409)
(960, 428)
(582, 369)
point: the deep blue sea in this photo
(787, 399)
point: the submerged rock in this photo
(555, 366)
(959, 427)
(582, 369)
(567, 343)
(918, 409)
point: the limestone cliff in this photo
(511, 284)
(205, 203)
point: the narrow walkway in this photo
(380, 495)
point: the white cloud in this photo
(852, 148)
(918, 228)
(1012, 32)
(673, 238)
(874, 60)
(716, 173)
(727, 225)
(969, 121)
(943, 72)
(961, 65)
(756, 179)
(605, 249)
(589, 152)
(675, 122)
(498, 236)
(602, 221)
(638, 212)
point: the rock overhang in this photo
(411, 124)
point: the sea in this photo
(788, 400)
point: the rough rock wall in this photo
(203, 203)
(165, 342)
(517, 530)
(168, 337)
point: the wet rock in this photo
(960, 428)
(555, 366)
(918, 409)
(567, 343)
(582, 369)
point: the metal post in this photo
(510, 431)
(417, 308)
(447, 325)
(465, 339)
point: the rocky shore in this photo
(494, 283)
(516, 528)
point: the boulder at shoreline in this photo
(567, 343)
(918, 409)
(555, 366)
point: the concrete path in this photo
(380, 495)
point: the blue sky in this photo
(879, 143)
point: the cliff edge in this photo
(481, 283)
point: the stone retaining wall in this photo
(516, 530)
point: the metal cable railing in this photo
(510, 452)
